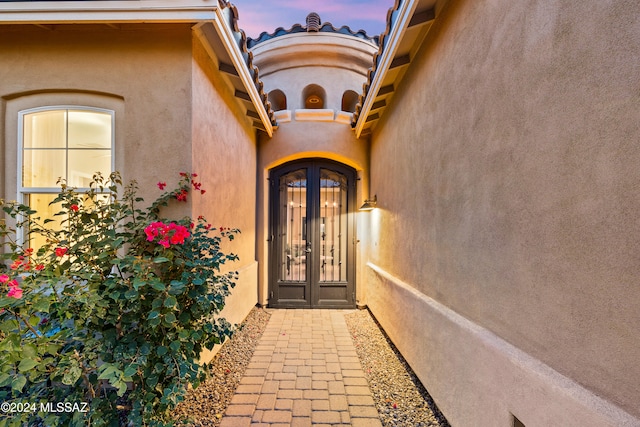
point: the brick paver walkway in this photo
(304, 372)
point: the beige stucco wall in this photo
(129, 65)
(173, 114)
(505, 254)
(224, 156)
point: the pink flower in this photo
(28, 251)
(169, 234)
(74, 208)
(195, 175)
(203, 191)
(4, 278)
(152, 230)
(15, 292)
(182, 196)
(60, 251)
(40, 267)
(161, 185)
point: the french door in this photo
(312, 235)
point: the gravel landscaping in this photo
(400, 398)
(399, 395)
(206, 404)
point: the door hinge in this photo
(271, 295)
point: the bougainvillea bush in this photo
(104, 323)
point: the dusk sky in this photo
(257, 16)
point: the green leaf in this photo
(175, 346)
(161, 351)
(158, 286)
(138, 283)
(42, 305)
(170, 302)
(6, 302)
(108, 372)
(153, 315)
(5, 379)
(18, 383)
(170, 318)
(160, 260)
(72, 375)
(151, 381)
(27, 364)
(122, 388)
(52, 349)
(131, 294)
(130, 370)
(29, 351)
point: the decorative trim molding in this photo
(282, 116)
(319, 115)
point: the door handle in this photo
(308, 249)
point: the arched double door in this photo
(312, 235)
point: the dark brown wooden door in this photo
(312, 235)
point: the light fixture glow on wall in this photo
(314, 99)
(369, 204)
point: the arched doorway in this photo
(312, 235)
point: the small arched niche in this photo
(349, 101)
(313, 97)
(278, 100)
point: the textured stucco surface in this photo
(148, 69)
(224, 156)
(173, 114)
(507, 171)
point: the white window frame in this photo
(24, 191)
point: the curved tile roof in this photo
(242, 41)
(326, 27)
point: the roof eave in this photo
(106, 11)
(405, 12)
(219, 28)
(209, 22)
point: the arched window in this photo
(349, 101)
(69, 143)
(278, 100)
(313, 97)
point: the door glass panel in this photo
(293, 227)
(333, 226)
